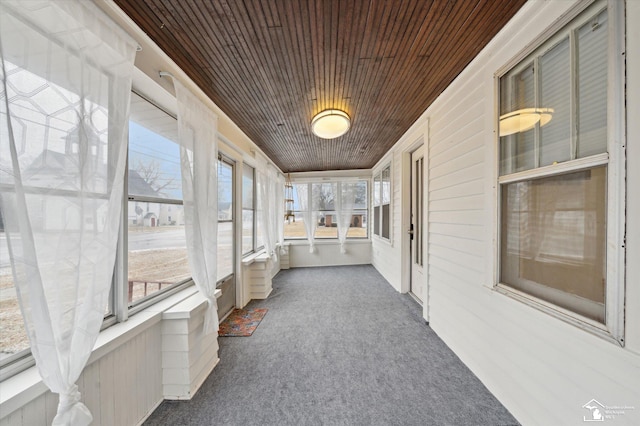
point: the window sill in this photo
(24, 387)
(258, 257)
(320, 242)
(555, 311)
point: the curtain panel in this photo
(346, 200)
(198, 138)
(308, 206)
(64, 108)
(271, 207)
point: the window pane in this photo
(225, 191)
(376, 222)
(225, 249)
(247, 187)
(157, 248)
(360, 201)
(592, 78)
(555, 71)
(517, 149)
(377, 185)
(553, 239)
(386, 185)
(259, 236)
(386, 225)
(154, 154)
(358, 226)
(295, 228)
(247, 231)
(324, 195)
(13, 337)
(327, 225)
(248, 214)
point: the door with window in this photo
(226, 242)
(416, 230)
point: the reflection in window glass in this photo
(553, 238)
(592, 69)
(555, 90)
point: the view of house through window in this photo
(323, 202)
(157, 250)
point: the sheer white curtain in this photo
(270, 207)
(346, 200)
(64, 105)
(309, 213)
(279, 215)
(197, 134)
(265, 201)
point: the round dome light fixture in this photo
(330, 124)
(523, 120)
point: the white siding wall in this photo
(120, 388)
(158, 353)
(386, 254)
(328, 254)
(543, 370)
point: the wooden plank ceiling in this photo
(271, 65)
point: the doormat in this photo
(241, 322)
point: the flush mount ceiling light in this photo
(330, 124)
(523, 120)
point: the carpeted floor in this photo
(339, 347)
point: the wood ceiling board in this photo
(271, 65)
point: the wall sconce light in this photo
(523, 120)
(330, 124)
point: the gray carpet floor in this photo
(339, 346)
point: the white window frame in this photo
(309, 185)
(121, 307)
(379, 219)
(254, 209)
(614, 158)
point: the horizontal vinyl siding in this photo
(120, 388)
(542, 368)
(386, 255)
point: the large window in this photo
(225, 218)
(157, 249)
(382, 203)
(557, 172)
(322, 200)
(248, 210)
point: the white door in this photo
(416, 230)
